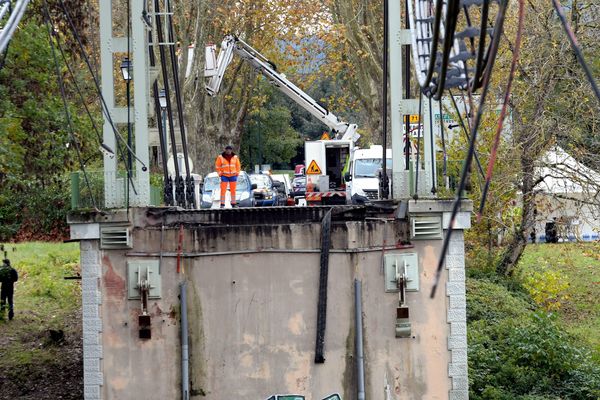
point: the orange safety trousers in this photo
(232, 181)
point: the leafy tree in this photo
(265, 25)
(36, 149)
(269, 137)
(552, 103)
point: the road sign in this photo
(412, 119)
(313, 169)
(325, 136)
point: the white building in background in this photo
(569, 195)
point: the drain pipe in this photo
(185, 380)
(360, 362)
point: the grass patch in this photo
(43, 300)
(565, 278)
(519, 353)
(535, 336)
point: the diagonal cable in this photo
(575, 45)
(97, 84)
(65, 105)
(513, 67)
(466, 132)
(463, 179)
(418, 166)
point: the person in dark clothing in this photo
(551, 232)
(8, 277)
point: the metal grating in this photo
(426, 227)
(115, 237)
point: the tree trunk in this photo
(532, 143)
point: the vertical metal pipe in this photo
(431, 149)
(129, 71)
(407, 90)
(129, 139)
(185, 380)
(384, 103)
(360, 362)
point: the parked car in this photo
(211, 192)
(299, 186)
(266, 193)
(285, 189)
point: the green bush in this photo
(516, 353)
(30, 211)
(491, 301)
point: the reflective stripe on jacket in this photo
(228, 168)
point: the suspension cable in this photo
(65, 105)
(511, 75)
(480, 65)
(452, 10)
(418, 166)
(6, 6)
(189, 184)
(13, 21)
(104, 106)
(463, 179)
(98, 89)
(179, 195)
(432, 153)
(466, 132)
(128, 83)
(80, 94)
(575, 45)
(167, 184)
(442, 130)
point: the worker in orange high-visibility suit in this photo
(228, 167)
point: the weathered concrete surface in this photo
(253, 316)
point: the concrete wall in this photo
(253, 317)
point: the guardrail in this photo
(105, 190)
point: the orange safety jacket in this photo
(228, 168)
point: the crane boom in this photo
(215, 68)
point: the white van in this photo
(362, 181)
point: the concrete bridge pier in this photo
(253, 295)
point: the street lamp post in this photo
(162, 99)
(126, 68)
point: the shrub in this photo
(547, 287)
(515, 353)
(29, 211)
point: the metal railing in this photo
(105, 190)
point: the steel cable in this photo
(432, 152)
(179, 195)
(445, 68)
(66, 107)
(466, 133)
(168, 183)
(418, 166)
(575, 45)
(78, 90)
(511, 75)
(13, 21)
(189, 182)
(98, 88)
(442, 130)
(463, 179)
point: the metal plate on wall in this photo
(393, 261)
(143, 268)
